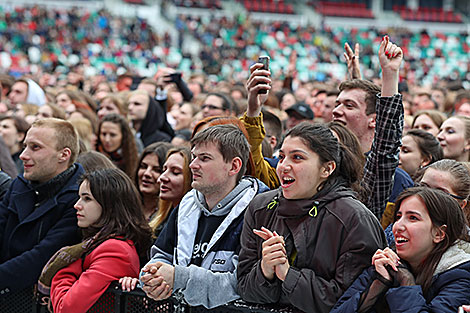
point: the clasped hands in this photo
(387, 264)
(158, 280)
(274, 262)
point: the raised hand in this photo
(258, 80)
(352, 59)
(390, 57)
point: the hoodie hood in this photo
(229, 201)
(35, 93)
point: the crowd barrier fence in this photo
(115, 300)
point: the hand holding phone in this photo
(264, 59)
(173, 77)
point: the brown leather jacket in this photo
(334, 235)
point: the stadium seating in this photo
(268, 6)
(203, 4)
(425, 14)
(343, 9)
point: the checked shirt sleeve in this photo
(382, 160)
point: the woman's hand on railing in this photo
(128, 283)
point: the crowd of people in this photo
(341, 195)
(430, 56)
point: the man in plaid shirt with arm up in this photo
(375, 116)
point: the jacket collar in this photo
(28, 206)
(302, 207)
(188, 217)
(48, 189)
(457, 254)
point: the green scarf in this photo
(62, 258)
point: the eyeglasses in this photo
(211, 107)
(452, 195)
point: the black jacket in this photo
(334, 236)
(32, 229)
(155, 126)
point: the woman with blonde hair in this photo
(111, 104)
(429, 121)
(175, 182)
(454, 137)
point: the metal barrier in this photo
(114, 300)
(23, 301)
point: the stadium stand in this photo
(427, 14)
(345, 9)
(268, 6)
(202, 4)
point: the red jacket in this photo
(75, 288)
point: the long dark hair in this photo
(348, 140)
(160, 149)
(122, 215)
(443, 210)
(128, 145)
(429, 147)
(320, 139)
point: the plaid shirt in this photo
(382, 160)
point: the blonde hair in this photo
(84, 129)
(165, 206)
(65, 133)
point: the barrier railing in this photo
(117, 301)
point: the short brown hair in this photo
(436, 116)
(370, 89)
(66, 135)
(230, 141)
(117, 102)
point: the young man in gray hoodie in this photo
(197, 251)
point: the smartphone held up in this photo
(264, 59)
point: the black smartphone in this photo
(173, 77)
(264, 59)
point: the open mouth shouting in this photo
(286, 182)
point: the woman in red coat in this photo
(116, 234)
